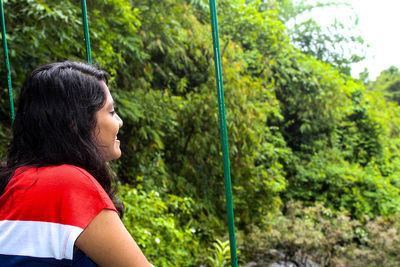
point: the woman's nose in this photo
(120, 121)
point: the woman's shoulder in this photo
(65, 178)
(66, 174)
(49, 177)
(56, 170)
(65, 170)
(70, 178)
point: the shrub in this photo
(154, 226)
(326, 237)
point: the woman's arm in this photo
(107, 242)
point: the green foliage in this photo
(4, 139)
(220, 254)
(344, 186)
(152, 223)
(388, 82)
(302, 83)
(324, 236)
(361, 131)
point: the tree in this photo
(388, 82)
(335, 43)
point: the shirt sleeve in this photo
(82, 197)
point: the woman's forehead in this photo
(109, 98)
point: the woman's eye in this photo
(112, 112)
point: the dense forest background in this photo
(314, 153)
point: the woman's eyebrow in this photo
(111, 105)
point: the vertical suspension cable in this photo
(223, 131)
(7, 62)
(86, 32)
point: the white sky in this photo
(379, 23)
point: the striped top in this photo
(42, 213)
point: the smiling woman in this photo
(57, 205)
(108, 124)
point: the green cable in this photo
(6, 60)
(224, 137)
(86, 32)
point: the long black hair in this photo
(55, 120)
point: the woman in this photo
(57, 204)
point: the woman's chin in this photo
(116, 154)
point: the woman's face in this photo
(106, 130)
